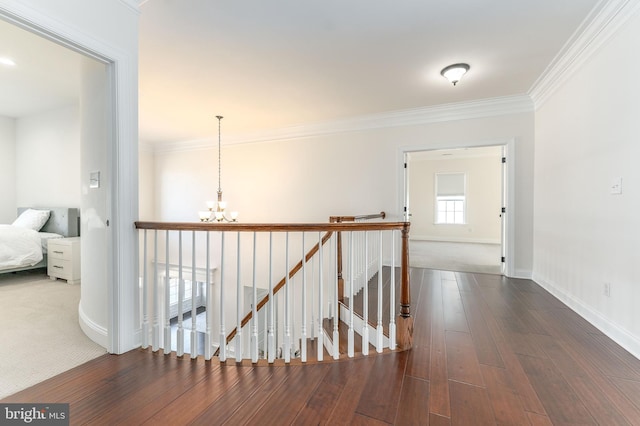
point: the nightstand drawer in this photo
(59, 251)
(60, 268)
(63, 259)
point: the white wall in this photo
(48, 158)
(95, 201)
(7, 170)
(310, 179)
(147, 201)
(483, 199)
(587, 134)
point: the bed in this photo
(61, 222)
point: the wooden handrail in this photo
(337, 219)
(271, 227)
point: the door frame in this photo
(508, 222)
(120, 333)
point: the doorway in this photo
(456, 202)
(62, 103)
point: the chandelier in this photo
(216, 211)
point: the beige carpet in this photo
(461, 257)
(40, 335)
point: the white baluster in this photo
(156, 302)
(208, 349)
(303, 331)
(380, 328)
(180, 334)
(320, 343)
(194, 294)
(287, 308)
(271, 351)
(365, 298)
(145, 295)
(350, 334)
(239, 307)
(392, 296)
(222, 354)
(167, 298)
(254, 311)
(312, 303)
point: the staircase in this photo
(316, 311)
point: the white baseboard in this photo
(455, 239)
(523, 274)
(95, 332)
(618, 334)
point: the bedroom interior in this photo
(39, 294)
(40, 157)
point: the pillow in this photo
(32, 219)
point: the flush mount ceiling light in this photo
(454, 72)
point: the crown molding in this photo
(599, 26)
(132, 4)
(411, 117)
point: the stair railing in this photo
(219, 267)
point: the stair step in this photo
(373, 299)
(312, 350)
(343, 331)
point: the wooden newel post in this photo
(405, 321)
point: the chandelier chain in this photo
(219, 117)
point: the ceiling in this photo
(272, 65)
(46, 75)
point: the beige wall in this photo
(309, 179)
(483, 199)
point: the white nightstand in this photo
(64, 259)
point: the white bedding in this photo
(19, 247)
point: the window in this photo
(450, 198)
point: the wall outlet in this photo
(616, 186)
(607, 289)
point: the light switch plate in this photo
(94, 180)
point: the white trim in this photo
(617, 333)
(133, 5)
(411, 117)
(523, 274)
(599, 26)
(510, 215)
(454, 239)
(94, 331)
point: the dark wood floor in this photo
(487, 350)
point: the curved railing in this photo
(230, 265)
